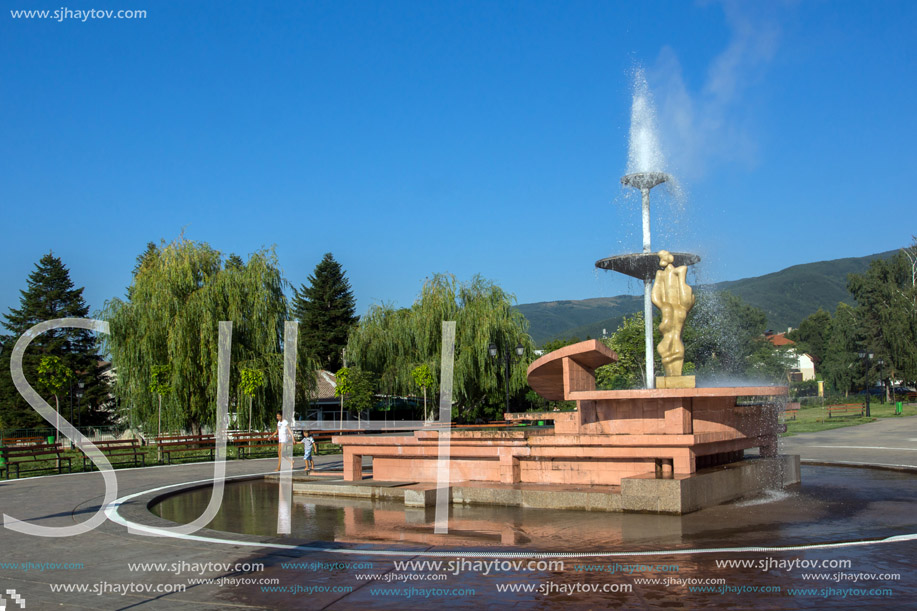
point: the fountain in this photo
(626, 456)
(645, 164)
(672, 449)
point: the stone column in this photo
(353, 466)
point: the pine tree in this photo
(326, 312)
(50, 294)
(146, 256)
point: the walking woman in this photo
(284, 437)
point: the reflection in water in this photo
(284, 501)
(832, 504)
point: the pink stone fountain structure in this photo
(646, 450)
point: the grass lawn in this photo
(812, 419)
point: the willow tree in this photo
(393, 342)
(179, 294)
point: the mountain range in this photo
(787, 297)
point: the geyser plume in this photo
(644, 153)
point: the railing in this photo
(93, 433)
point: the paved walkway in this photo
(888, 442)
(105, 552)
(102, 560)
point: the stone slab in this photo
(637, 494)
(708, 487)
(422, 496)
(367, 489)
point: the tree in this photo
(812, 335)
(150, 253)
(770, 363)
(886, 297)
(159, 386)
(910, 253)
(557, 344)
(628, 342)
(175, 302)
(362, 395)
(250, 383)
(53, 375)
(234, 261)
(840, 350)
(723, 339)
(50, 294)
(423, 377)
(390, 342)
(356, 389)
(342, 387)
(325, 310)
(722, 332)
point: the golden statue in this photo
(673, 296)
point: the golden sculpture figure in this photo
(673, 296)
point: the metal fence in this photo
(93, 433)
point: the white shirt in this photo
(283, 432)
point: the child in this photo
(308, 443)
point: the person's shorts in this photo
(308, 455)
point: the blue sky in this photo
(410, 138)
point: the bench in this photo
(845, 410)
(791, 410)
(494, 424)
(911, 397)
(34, 456)
(24, 441)
(252, 442)
(168, 445)
(127, 449)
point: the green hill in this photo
(552, 319)
(787, 297)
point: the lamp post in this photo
(79, 397)
(881, 365)
(507, 358)
(866, 357)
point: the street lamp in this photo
(507, 358)
(866, 357)
(881, 365)
(79, 397)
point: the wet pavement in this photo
(643, 561)
(356, 554)
(832, 504)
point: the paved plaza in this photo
(106, 562)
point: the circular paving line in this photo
(132, 512)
